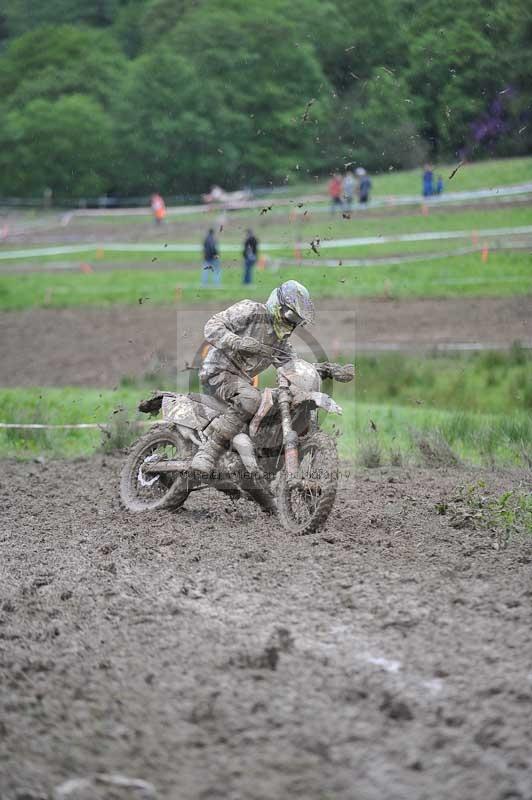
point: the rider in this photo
(247, 338)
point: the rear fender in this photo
(186, 413)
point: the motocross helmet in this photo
(289, 306)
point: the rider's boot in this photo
(221, 430)
(207, 455)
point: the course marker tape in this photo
(141, 247)
(90, 425)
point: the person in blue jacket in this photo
(428, 181)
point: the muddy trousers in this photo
(243, 401)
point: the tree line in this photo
(132, 96)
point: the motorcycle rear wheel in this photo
(150, 492)
(305, 506)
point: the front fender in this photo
(266, 404)
(318, 399)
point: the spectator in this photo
(439, 185)
(349, 190)
(364, 186)
(158, 208)
(211, 260)
(250, 251)
(428, 181)
(335, 193)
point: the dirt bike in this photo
(283, 461)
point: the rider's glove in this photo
(337, 372)
(344, 374)
(228, 341)
(248, 345)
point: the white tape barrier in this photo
(324, 244)
(81, 425)
(316, 202)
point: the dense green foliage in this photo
(133, 95)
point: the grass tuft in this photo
(120, 432)
(435, 451)
(369, 453)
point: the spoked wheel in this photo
(147, 491)
(305, 504)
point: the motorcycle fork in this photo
(290, 437)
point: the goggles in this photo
(291, 316)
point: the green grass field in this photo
(475, 438)
(477, 405)
(442, 219)
(279, 233)
(475, 175)
(506, 273)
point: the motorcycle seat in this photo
(209, 401)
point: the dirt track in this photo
(98, 347)
(208, 653)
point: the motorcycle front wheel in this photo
(146, 491)
(304, 504)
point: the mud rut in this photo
(208, 653)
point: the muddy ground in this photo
(98, 347)
(211, 654)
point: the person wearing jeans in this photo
(250, 256)
(211, 260)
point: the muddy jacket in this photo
(246, 318)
